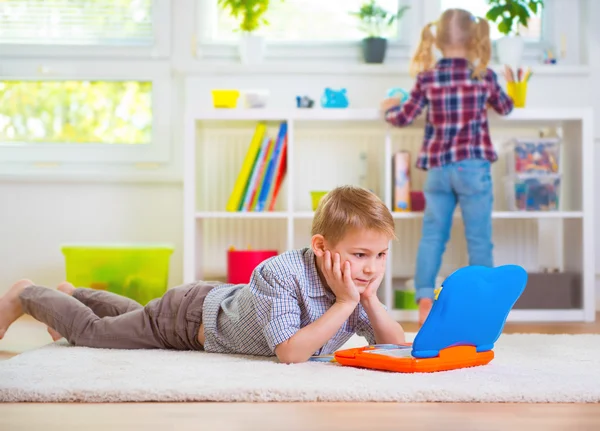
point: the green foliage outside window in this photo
(108, 112)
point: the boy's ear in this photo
(318, 245)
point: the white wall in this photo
(37, 217)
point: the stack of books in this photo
(259, 180)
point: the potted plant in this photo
(250, 14)
(375, 21)
(509, 15)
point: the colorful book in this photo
(281, 170)
(253, 182)
(271, 168)
(261, 175)
(241, 183)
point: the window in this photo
(533, 32)
(84, 81)
(304, 20)
(76, 22)
(80, 112)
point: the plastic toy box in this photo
(137, 271)
(241, 263)
(540, 156)
(405, 300)
(533, 192)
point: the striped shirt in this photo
(284, 295)
(456, 124)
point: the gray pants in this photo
(96, 318)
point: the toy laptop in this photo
(464, 323)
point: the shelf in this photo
(266, 114)
(505, 215)
(545, 115)
(569, 315)
(537, 214)
(241, 215)
(398, 215)
(571, 244)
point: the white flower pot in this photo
(251, 48)
(510, 50)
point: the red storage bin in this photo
(241, 263)
(417, 201)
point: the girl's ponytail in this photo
(423, 58)
(482, 46)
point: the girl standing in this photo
(457, 150)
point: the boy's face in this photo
(366, 250)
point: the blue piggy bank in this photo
(399, 93)
(334, 99)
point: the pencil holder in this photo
(517, 91)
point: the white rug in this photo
(527, 368)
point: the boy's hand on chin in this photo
(339, 278)
(370, 291)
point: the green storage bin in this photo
(137, 271)
(405, 300)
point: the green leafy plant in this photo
(509, 14)
(375, 20)
(249, 12)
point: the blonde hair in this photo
(350, 207)
(456, 27)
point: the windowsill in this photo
(28, 173)
(272, 67)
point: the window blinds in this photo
(76, 22)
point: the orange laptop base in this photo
(465, 321)
(399, 359)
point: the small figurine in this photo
(397, 92)
(334, 99)
(304, 102)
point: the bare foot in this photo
(425, 305)
(10, 305)
(64, 287)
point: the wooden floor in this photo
(26, 334)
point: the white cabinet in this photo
(327, 147)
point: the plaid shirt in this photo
(284, 295)
(456, 126)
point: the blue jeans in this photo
(468, 183)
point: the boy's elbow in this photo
(287, 355)
(290, 359)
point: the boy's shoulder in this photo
(290, 262)
(292, 270)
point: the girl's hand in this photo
(371, 289)
(389, 103)
(339, 278)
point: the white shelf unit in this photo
(323, 147)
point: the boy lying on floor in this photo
(300, 303)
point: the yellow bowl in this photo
(225, 98)
(316, 197)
